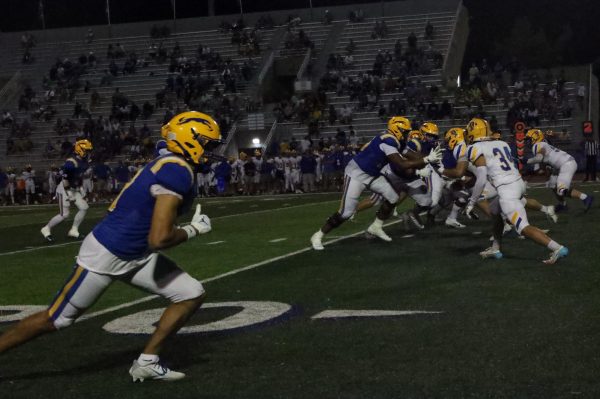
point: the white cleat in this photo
(154, 371)
(315, 241)
(46, 233)
(552, 214)
(378, 232)
(415, 221)
(454, 223)
(491, 252)
(73, 233)
(556, 255)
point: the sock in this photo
(454, 212)
(496, 244)
(378, 222)
(544, 209)
(54, 221)
(583, 196)
(78, 219)
(319, 234)
(553, 245)
(146, 359)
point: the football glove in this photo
(434, 156)
(425, 172)
(469, 211)
(200, 224)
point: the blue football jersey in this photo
(420, 146)
(371, 158)
(124, 230)
(73, 170)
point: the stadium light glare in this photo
(256, 141)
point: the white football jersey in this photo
(28, 175)
(11, 178)
(278, 163)
(552, 155)
(501, 168)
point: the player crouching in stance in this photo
(364, 171)
(560, 161)
(124, 246)
(493, 161)
(69, 190)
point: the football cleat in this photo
(377, 231)
(153, 371)
(491, 252)
(507, 229)
(73, 233)
(415, 220)
(315, 241)
(552, 214)
(556, 255)
(588, 202)
(454, 223)
(46, 233)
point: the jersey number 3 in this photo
(505, 162)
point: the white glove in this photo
(200, 224)
(440, 170)
(434, 156)
(425, 172)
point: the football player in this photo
(125, 246)
(69, 190)
(28, 176)
(364, 171)
(493, 160)
(560, 161)
(9, 190)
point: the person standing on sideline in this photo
(591, 156)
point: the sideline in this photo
(227, 274)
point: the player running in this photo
(124, 246)
(69, 190)
(364, 171)
(493, 161)
(560, 161)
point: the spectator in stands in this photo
(332, 114)
(7, 118)
(356, 15)
(327, 17)
(89, 37)
(581, 95)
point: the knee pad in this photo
(82, 205)
(563, 192)
(336, 219)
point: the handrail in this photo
(230, 135)
(269, 137)
(304, 64)
(263, 72)
(589, 94)
(452, 36)
(11, 85)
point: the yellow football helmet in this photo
(454, 136)
(399, 126)
(82, 148)
(430, 129)
(477, 130)
(190, 134)
(415, 135)
(535, 135)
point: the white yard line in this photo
(214, 243)
(278, 240)
(223, 275)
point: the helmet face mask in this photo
(430, 131)
(191, 134)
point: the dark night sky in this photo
(490, 21)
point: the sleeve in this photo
(536, 149)
(388, 149)
(460, 153)
(175, 177)
(473, 153)
(481, 176)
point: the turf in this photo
(512, 328)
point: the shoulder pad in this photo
(174, 174)
(473, 152)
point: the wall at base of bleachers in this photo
(204, 23)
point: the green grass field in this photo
(512, 328)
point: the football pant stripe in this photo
(67, 292)
(346, 185)
(60, 204)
